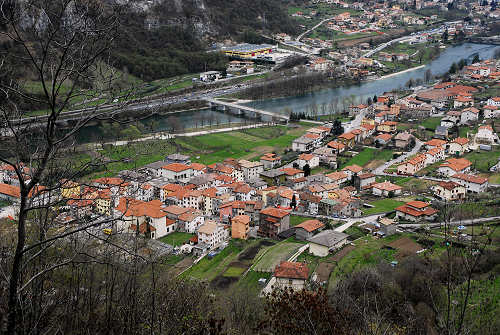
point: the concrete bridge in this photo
(240, 109)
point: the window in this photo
(290, 281)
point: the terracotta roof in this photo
(310, 225)
(208, 228)
(366, 175)
(456, 164)
(385, 137)
(110, 181)
(347, 136)
(434, 151)
(417, 204)
(306, 157)
(10, 190)
(387, 186)
(198, 166)
(336, 175)
(291, 171)
(435, 142)
(312, 136)
(353, 168)
(461, 140)
(413, 212)
(243, 219)
(270, 157)
(292, 270)
(488, 127)
(134, 207)
(176, 210)
(176, 167)
(336, 145)
(471, 109)
(274, 212)
(449, 185)
(470, 178)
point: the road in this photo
(385, 45)
(380, 170)
(313, 28)
(452, 223)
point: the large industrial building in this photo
(248, 50)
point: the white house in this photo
(473, 184)
(385, 188)
(458, 146)
(177, 172)
(309, 159)
(251, 170)
(469, 115)
(212, 234)
(491, 112)
(453, 166)
(486, 135)
(191, 221)
(495, 101)
(351, 170)
(434, 155)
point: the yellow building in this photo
(103, 202)
(248, 50)
(70, 189)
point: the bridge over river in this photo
(241, 109)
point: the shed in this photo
(326, 241)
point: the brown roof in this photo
(354, 168)
(275, 212)
(310, 225)
(456, 164)
(293, 270)
(387, 186)
(176, 210)
(470, 178)
(176, 167)
(449, 185)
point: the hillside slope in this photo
(163, 38)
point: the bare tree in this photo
(63, 48)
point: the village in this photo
(370, 185)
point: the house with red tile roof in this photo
(453, 166)
(308, 228)
(291, 275)
(273, 221)
(309, 159)
(491, 112)
(351, 170)
(240, 227)
(449, 191)
(337, 146)
(416, 211)
(386, 189)
(472, 183)
(270, 160)
(412, 166)
(486, 135)
(177, 172)
(458, 146)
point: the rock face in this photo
(193, 14)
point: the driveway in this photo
(380, 170)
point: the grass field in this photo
(176, 238)
(367, 252)
(368, 155)
(381, 206)
(207, 149)
(483, 160)
(251, 280)
(431, 123)
(275, 255)
(233, 271)
(210, 268)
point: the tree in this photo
(444, 36)
(453, 68)
(337, 128)
(476, 59)
(64, 49)
(293, 203)
(410, 83)
(307, 170)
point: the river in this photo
(361, 92)
(367, 89)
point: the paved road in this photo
(365, 219)
(380, 170)
(313, 28)
(452, 223)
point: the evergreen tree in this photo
(307, 170)
(293, 203)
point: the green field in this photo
(233, 271)
(176, 238)
(210, 268)
(381, 206)
(369, 154)
(431, 123)
(274, 255)
(207, 149)
(483, 160)
(251, 280)
(295, 220)
(367, 252)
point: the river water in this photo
(361, 92)
(367, 89)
